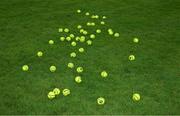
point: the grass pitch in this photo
(26, 26)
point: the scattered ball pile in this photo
(56, 92)
(87, 37)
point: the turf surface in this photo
(27, 25)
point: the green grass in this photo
(27, 25)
